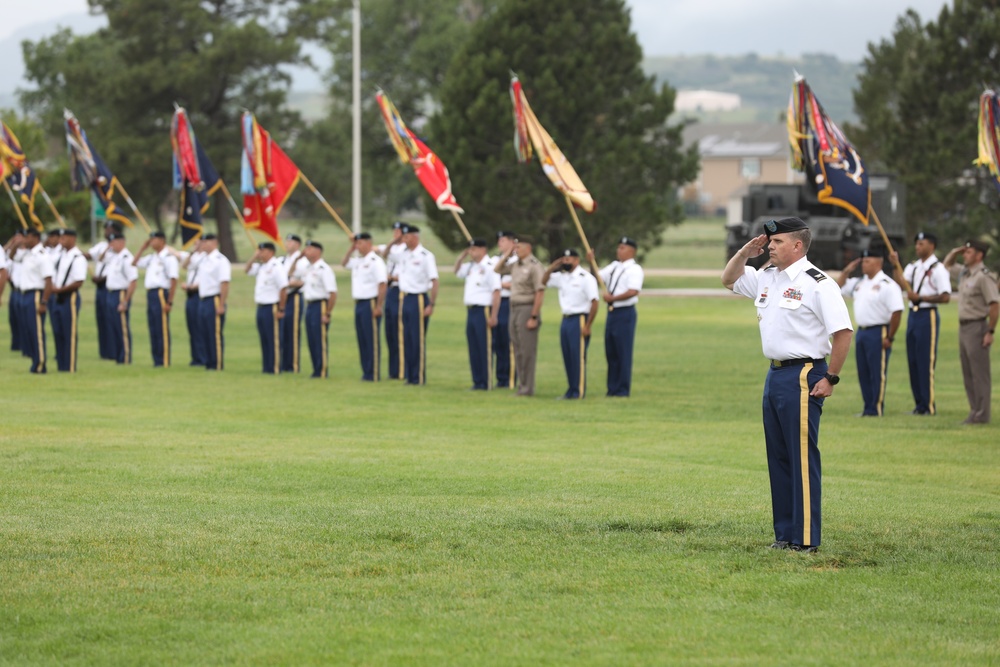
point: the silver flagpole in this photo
(356, 122)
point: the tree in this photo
(917, 101)
(580, 68)
(406, 48)
(215, 57)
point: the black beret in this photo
(267, 245)
(925, 236)
(294, 237)
(363, 236)
(874, 251)
(209, 237)
(783, 226)
(31, 231)
(625, 240)
(116, 236)
(978, 245)
(410, 229)
(157, 235)
(314, 244)
(111, 223)
(477, 243)
(525, 238)
(570, 252)
(55, 232)
(510, 235)
(69, 232)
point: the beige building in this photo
(732, 157)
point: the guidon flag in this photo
(88, 170)
(267, 178)
(989, 135)
(194, 176)
(14, 168)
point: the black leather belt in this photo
(873, 326)
(976, 321)
(565, 317)
(206, 298)
(781, 363)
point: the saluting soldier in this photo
(392, 253)
(418, 285)
(929, 285)
(270, 293)
(53, 246)
(4, 275)
(482, 302)
(578, 300)
(319, 288)
(526, 295)
(369, 283)
(162, 272)
(799, 309)
(192, 303)
(978, 309)
(122, 277)
(214, 275)
(878, 309)
(36, 287)
(95, 254)
(70, 274)
(503, 348)
(624, 280)
(291, 325)
(14, 251)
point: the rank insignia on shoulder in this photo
(816, 275)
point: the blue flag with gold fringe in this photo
(14, 168)
(822, 151)
(194, 175)
(88, 170)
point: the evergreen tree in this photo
(581, 70)
(918, 104)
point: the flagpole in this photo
(586, 244)
(131, 204)
(238, 212)
(13, 200)
(48, 201)
(888, 244)
(356, 117)
(326, 204)
(461, 225)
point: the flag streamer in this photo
(989, 135)
(88, 170)
(428, 167)
(194, 176)
(822, 151)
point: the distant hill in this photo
(763, 83)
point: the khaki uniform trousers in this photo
(525, 342)
(976, 369)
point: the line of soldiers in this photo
(397, 281)
(878, 307)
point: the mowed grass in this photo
(185, 517)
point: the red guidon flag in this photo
(428, 167)
(268, 177)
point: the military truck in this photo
(837, 235)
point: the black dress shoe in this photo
(803, 548)
(781, 544)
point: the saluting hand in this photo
(754, 247)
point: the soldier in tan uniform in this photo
(978, 308)
(526, 294)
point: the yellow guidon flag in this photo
(529, 132)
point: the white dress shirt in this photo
(319, 281)
(36, 266)
(213, 270)
(621, 277)
(577, 290)
(480, 282)
(272, 277)
(161, 267)
(119, 270)
(875, 299)
(367, 273)
(417, 269)
(71, 268)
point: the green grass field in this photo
(175, 516)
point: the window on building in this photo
(750, 168)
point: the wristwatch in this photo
(832, 379)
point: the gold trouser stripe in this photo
(295, 333)
(583, 358)
(323, 335)
(216, 301)
(881, 384)
(489, 347)
(125, 332)
(400, 343)
(804, 452)
(420, 323)
(165, 325)
(72, 333)
(277, 338)
(376, 357)
(934, 333)
(40, 333)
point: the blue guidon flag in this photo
(822, 151)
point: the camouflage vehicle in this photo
(838, 236)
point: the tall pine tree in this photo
(580, 66)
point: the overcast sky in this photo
(680, 27)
